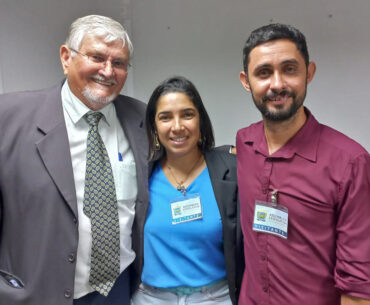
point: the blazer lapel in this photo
(216, 169)
(223, 189)
(54, 147)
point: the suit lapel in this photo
(54, 146)
(216, 169)
(223, 189)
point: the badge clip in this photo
(274, 197)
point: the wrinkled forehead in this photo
(101, 40)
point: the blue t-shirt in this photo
(185, 254)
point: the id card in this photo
(270, 218)
(186, 208)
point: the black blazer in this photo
(222, 169)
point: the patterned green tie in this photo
(100, 205)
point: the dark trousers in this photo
(119, 295)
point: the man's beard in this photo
(279, 114)
(93, 98)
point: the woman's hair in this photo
(182, 85)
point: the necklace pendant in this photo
(181, 189)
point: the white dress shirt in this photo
(124, 173)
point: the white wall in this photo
(1, 82)
(203, 40)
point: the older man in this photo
(304, 187)
(71, 160)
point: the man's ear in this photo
(65, 58)
(311, 69)
(243, 77)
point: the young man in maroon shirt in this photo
(304, 187)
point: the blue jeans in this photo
(147, 295)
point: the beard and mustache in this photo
(92, 97)
(279, 114)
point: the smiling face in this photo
(177, 124)
(95, 84)
(277, 78)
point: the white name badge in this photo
(270, 218)
(186, 208)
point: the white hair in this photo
(95, 25)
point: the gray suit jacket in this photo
(222, 170)
(38, 208)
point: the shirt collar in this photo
(304, 143)
(77, 109)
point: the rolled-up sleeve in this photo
(352, 271)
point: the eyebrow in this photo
(182, 110)
(288, 61)
(262, 66)
(163, 112)
(103, 53)
(188, 109)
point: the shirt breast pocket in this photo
(126, 186)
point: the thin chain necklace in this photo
(180, 184)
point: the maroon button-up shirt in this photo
(323, 178)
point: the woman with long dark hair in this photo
(192, 241)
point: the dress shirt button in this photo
(71, 258)
(67, 293)
(263, 257)
(265, 289)
(74, 219)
